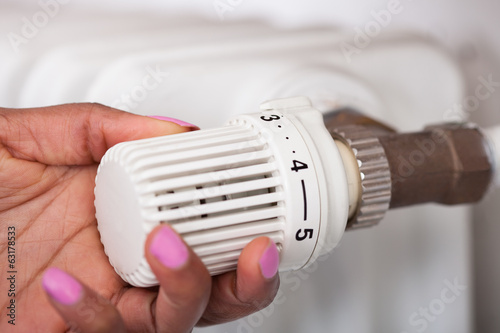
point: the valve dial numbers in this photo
(298, 167)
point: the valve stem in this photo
(449, 164)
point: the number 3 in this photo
(270, 118)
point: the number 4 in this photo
(298, 165)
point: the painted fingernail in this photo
(269, 261)
(61, 286)
(169, 248)
(173, 120)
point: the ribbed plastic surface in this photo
(218, 188)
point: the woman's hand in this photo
(48, 162)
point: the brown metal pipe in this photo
(448, 164)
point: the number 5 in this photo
(307, 232)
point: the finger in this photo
(184, 281)
(75, 134)
(82, 309)
(251, 288)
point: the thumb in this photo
(76, 134)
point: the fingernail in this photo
(169, 248)
(173, 120)
(61, 286)
(270, 261)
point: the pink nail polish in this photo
(173, 120)
(270, 261)
(61, 286)
(169, 248)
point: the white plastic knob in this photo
(276, 173)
